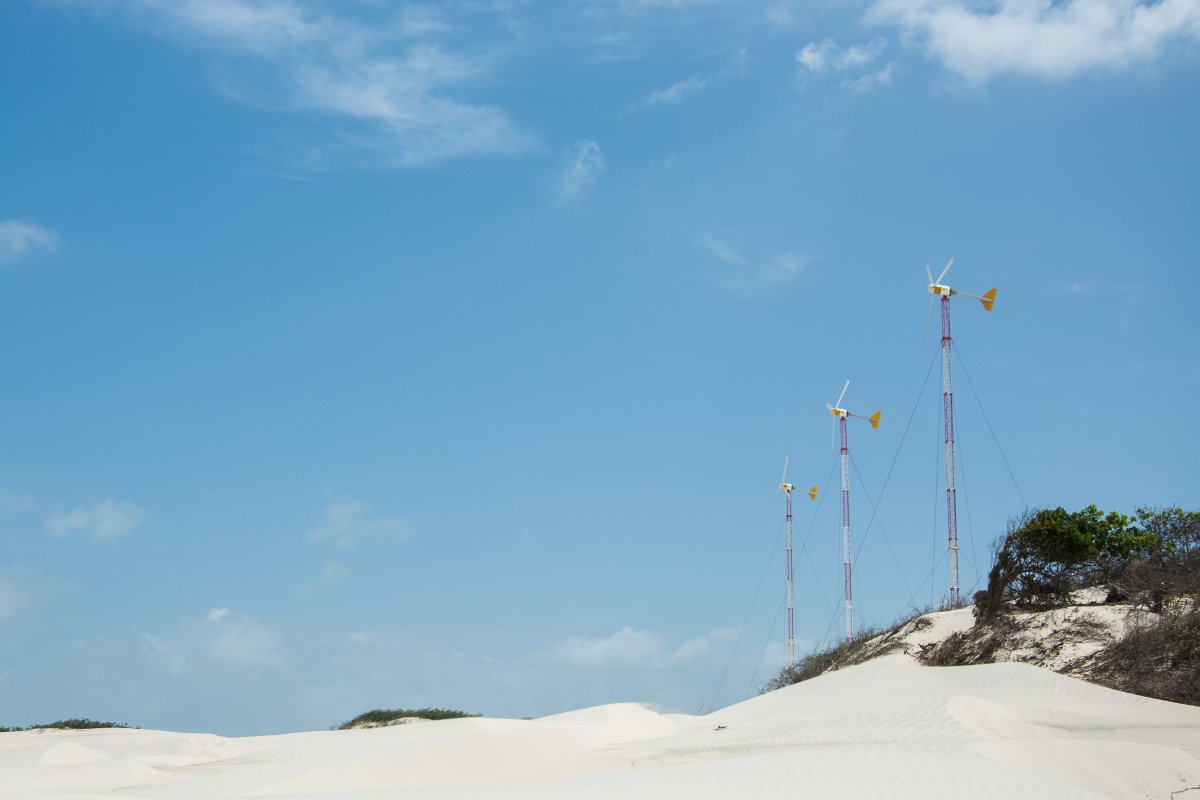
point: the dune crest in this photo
(886, 728)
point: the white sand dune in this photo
(885, 729)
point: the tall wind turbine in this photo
(988, 299)
(841, 414)
(787, 488)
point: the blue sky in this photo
(370, 354)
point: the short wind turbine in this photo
(787, 489)
(988, 299)
(842, 414)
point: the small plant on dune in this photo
(70, 725)
(819, 662)
(867, 643)
(383, 716)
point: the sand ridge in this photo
(885, 729)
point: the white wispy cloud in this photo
(779, 15)
(677, 92)
(1087, 287)
(24, 590)
(739, 272)
(103, 522)
(384, 83)
(585, 167)
(12, 502)
(979, 40)
(346, 522)
(222, 638)
(243, 641)
(630, 648)
(334, 571)
(666, 4)
(14, 596)
(20, 238)
(856, 64)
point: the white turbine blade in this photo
(929, 274)
(777, 491)
(785, 463)
(947, 269)
(928, 316)
(829, 406)
(843, 394)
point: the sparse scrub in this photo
(1148, 562)
(867, 643)
(977, 645)
(817, 663)
(1159, 657)
(70, 725)
(380, 717)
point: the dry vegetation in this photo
(382, 717)
(1139, 633)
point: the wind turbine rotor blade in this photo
(843, 394)
(829, 406)
(777, 491)
(783, 479)
(929, 274)
(947, 269)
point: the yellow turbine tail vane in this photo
(988, 299)
(874, 419)
(812, 493)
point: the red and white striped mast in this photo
(938, 289)
(842, 414)
(787, 488)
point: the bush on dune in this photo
(383, 716)
(70, 725)
(1048, 553)
(1149, 561)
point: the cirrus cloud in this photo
(222, 638)
(585, 168)
(742, 273)
(20, 238)
(381, 80)
(630, 648)
(346, 522)
(105, 521)
(855, 64)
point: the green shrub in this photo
(70, 725)
(381, 716)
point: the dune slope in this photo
(885, 729)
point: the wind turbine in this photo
(988, 299)
(841, 415)
(787, 489)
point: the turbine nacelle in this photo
(842, 413)
(939, 289)
(784, 486)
